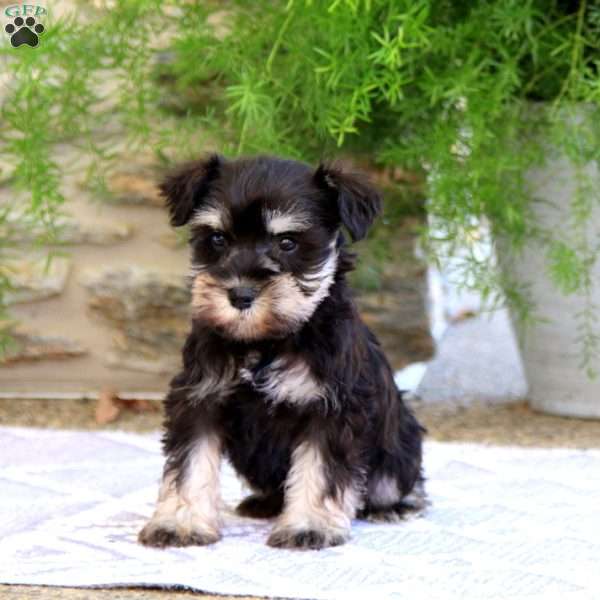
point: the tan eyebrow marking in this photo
(278, 222)
(211, 216)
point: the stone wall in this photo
(111, 310)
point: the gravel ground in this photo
(503, 424)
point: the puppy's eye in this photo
(217, 239)
(287, 244)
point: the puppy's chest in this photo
(282, 379)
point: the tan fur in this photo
(280, 307)
(278, 222)
(291, 303)
(192, 507)
(211, 216)
(307, 507)
(291, 381)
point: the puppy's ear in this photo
(186, 188)
(358, 203)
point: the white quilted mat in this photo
(504, 523)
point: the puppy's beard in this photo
(211, 305)
(296, 299)
(282, 306)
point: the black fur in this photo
(186, 188)
(358, 203)
(360, 425)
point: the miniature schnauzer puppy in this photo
(280, 375)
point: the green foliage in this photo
(449, 89)
(468, 92)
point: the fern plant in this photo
(465, 93)
(441, 88)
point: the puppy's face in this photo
(263, 236)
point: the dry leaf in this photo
(108, 406)
(462, 315)
(140, 405)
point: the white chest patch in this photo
(287, 380)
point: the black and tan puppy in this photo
(279, 374)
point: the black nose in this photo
(242, 297)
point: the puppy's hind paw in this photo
(261, 507)
(400, 511)
(305, 539)
(161, 536)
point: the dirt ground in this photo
(503, 424)
(508, 424)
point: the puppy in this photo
(280, 375)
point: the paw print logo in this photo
(24, 31)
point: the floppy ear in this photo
(185, 188)
(358, 203)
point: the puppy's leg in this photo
(187, 512)
(395, 485)
(259, 506)
(385, 502)
(316, 514)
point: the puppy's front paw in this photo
(162, 536)
(306, 538)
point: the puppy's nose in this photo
(242, 297)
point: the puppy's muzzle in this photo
(242, 297)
